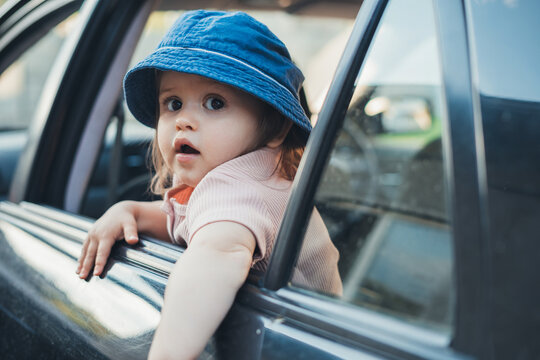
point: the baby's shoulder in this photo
(223, 184)
(220, 190)
(256, 166)
(238, 182)
(250, 176)
(232, 169)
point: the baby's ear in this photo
(278, 140)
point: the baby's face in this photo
(202, 124)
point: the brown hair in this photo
(274, 125)
(271, 126)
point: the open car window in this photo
(383, 195)
(316, 52)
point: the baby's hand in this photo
(117, 223)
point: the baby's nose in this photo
(185, 122)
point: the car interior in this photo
(121, 171)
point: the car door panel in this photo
(45, 300)
(65, 317)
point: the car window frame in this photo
(318, 148)
(23, 26)
(464, 181)
(467, 181)
(58, 114)
(324, 313)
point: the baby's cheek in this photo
(162, 151)
(167, 154)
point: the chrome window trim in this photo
(67, 232)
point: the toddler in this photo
(222, 93)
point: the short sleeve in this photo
(222, 197)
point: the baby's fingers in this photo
(82, 256)
(88, 259)
(103, 252)
(130, 233)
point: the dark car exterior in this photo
(424, 164)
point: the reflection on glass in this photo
(420, 289)
(382, 195)
(21, 84)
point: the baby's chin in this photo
(194, 174)
(191, 180)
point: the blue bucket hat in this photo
(229, 47)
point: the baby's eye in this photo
(173, 104)
(214, 103)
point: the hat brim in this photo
(140, 83)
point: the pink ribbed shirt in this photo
(247, 190)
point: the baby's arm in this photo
(122, 221)
(202, 288)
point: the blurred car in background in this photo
(423, 164)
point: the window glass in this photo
(21, 84)
(382, 196)
(499, 31)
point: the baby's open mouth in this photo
(186, 149)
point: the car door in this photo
(395, 167)
(392, 168)
(272, 316)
